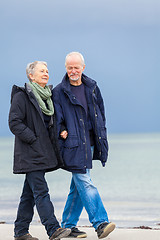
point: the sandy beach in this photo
(6, 233)
(130, 203)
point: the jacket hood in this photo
(26, 88)
(16, 89)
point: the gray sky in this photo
(120, 43)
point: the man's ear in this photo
(83, 67)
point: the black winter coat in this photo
(35, 149)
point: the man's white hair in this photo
(75, 53)
(31, 68)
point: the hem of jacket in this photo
(24, 171)
(75, 170)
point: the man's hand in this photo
(64, 134)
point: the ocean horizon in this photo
(128, 185)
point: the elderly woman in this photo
(31, 120)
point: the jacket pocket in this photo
(71, 142)
(36, 149)
(70, 151)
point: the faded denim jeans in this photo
(83, 194)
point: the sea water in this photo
(129, 184)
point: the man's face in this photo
(74, 68)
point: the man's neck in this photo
(76, 83)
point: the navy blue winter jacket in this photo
(76, 150)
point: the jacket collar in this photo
(86, 80)
(29, 89)
(26, 88)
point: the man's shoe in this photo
(60, 233)
(76, 233)
(25, 237)
(105, 229)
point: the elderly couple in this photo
(56, 128)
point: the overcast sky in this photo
(119, 39)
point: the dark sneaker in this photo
(26, 237)
(60, 233)
(76, 233)
(105, 229)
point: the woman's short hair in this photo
(75, 53)
(31, 67)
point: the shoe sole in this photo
(80, 236)
(63, 234)
(107, 230)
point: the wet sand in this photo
(6, 233)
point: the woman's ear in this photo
(31, 76)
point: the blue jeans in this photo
(35, 192)
(83, 194)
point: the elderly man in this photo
(81, 127)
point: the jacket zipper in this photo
(95, 114)
(85, 140)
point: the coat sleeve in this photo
(104, 141)
(59, 113)
(100, 104)
(17, 116)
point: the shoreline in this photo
(6, 233)
(157, 227)
(130, 220)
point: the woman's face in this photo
(40, 75)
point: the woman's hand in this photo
(64, 134)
